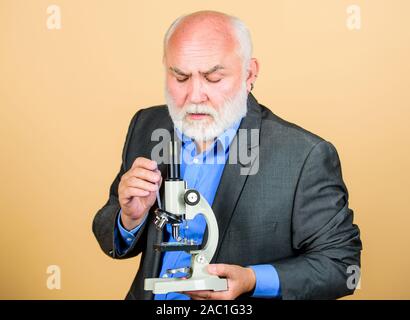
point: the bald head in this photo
(213, 28)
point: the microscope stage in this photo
(176, 246)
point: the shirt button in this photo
(129, 239)
(195, 160)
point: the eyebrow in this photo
(213, 69)
(206, 73)
(177, 71)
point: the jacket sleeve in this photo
(105, 220)
(325, 240)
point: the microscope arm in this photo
(202, 207)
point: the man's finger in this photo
(199, 295)
(145, 163)
(141, 184)
(197, 298)
(208, 295)
(220, 269)
(145, 174)
(219, 295)
(134, 192)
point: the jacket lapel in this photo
(232, 181)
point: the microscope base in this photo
(166, 285)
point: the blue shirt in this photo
(201, 172)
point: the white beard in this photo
(229, 113)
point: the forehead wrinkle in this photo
(199, 56)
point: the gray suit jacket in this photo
(293, 213)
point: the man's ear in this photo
(252, 74)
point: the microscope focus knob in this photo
(192, 197)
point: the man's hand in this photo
(137, 191)
(240, 280)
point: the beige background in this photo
(67, 96)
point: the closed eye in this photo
(182, 79)
(212, 80)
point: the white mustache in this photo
(199, 108)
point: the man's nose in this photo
(197, 93)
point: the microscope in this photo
(182, 204)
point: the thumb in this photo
(219, 269)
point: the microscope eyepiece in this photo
(174, 166)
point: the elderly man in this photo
(285, 231)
